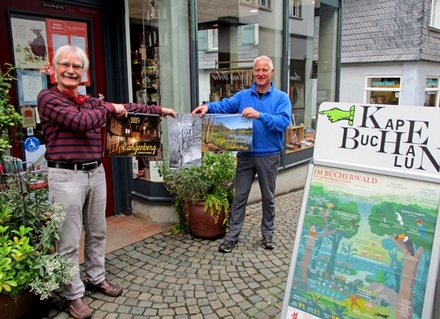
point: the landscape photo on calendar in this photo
(226, 132)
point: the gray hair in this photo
(265, 58)
(72, 49)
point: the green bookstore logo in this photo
(336, 114)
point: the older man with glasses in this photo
(71, 125)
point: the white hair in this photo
(265, 58)
(72, 49)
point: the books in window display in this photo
(226, 132)
(184, 141)
(137, 134)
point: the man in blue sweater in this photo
(270, 110)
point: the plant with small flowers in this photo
(28, 234)
(28, 221)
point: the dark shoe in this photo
(227, 245)
(78, 308)
(268, 242)
(107, 288)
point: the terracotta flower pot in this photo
(12, 308)
(201, 225)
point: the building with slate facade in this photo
(391, 52)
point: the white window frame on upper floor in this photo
(263, 4)
(432, 87)
(435, 14)
(295, 8)
(211, 40)
(252, 3)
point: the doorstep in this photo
(123, 230)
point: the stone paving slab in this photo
(184, 277)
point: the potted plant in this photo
(207, 190)
(29, 263)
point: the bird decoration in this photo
(421, 228)
(407, 243)
(399, 218)
(38, 45)
(354, 223)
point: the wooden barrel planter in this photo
(201, 225)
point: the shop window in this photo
(382, 90)
(435, 14)
(432, 91)
(295, 9)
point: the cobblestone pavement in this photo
(184, 277)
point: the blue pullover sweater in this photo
(275, 113)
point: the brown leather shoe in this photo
(78, 308)
(107, 288)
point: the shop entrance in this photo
(23, 23)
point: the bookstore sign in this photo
(367, 242)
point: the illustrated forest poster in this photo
(226, 132)
(365, 246)
(184, 137)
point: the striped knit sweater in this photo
(73, 132)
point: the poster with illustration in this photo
(365, 246)
(367, 243)
(29, 40)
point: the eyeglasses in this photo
(67, 65)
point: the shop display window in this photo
(382, 90)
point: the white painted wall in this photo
(353, 78)
(413, 73)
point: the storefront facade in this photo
(181, 53)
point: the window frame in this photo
(369, 88)
(295, 5)
(257, 3)
(435, 15)
(435, 89)
(266, 6)
(208, 44)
